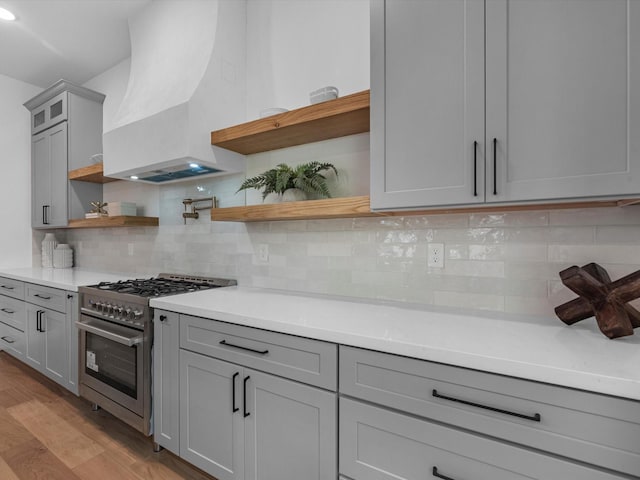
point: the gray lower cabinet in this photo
(380, 444)
(166, 380)
(12, 317)
(50, 336)
(12, 341)
(239, 423)
(580, 426)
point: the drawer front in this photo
(12, 341)
(308, 361)
(47, 297)
(378, 444)
(12, 312)
(12, 288)
(594, 428)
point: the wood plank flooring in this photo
(47, 433)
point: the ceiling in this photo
(71, 39)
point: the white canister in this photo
(63, 256)
(48, 245)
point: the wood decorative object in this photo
(601, 297)
(343, 116)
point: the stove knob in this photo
(137, 314)
(99, 306)
(119, 310)
(108, 309)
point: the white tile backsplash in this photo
(502, 262)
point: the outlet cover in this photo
(263, 252)
(435, 255)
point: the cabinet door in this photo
(34, 338)
(427, 103)
(56, 346)
(563, 98)
(211, 423)
(166, 388)
(72, 351)
(49, 177)
(290, 429)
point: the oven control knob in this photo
(119, 310)
(109, 309)
(99, 306)
(137, 314)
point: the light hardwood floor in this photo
(47, 433)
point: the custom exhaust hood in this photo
(187, 78)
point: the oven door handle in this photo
(117, 335)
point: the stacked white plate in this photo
(63, 256)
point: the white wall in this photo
(296, 47)
(15, 181)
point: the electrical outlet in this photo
(263, 252)
(435, 255)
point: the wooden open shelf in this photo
(355, 207)
(108, 222)
(343, 116)
(92, 173)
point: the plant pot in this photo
(294, 195)
(272, 198)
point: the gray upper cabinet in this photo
(66, 123)
(554, 120)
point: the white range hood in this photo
(187, 78)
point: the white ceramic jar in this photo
(48, 246)
(63, 256)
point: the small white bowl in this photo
(268, 112)
(323, 94)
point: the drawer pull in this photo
(6, 287)
(8, 340)
(44, 297)
(234, 409)
(435, 473)
(535, 418)
(261, 352)
(6, 310)
(475, 168)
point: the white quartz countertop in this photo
(64, 278)
(535, 348)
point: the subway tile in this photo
(510, 219)
(618, 234)
(583, 254)
(474, 301)
(418, 222)
(596, 216)
(473, 268)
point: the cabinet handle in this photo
(6, 287)
(495, 166)
(244, 397)
(44, 297)
(45, 214)
(475, 168)
(234, 409)
(261, 352)
(435, 473)
(6, 310)
(163, 318)
(69, 296)
(38, 313)
(8, 340)
(535, 418)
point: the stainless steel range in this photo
(116, 338)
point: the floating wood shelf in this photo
(92, 173)
(343, 116)
(119, 221)
(355, 207)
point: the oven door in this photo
(112, 361)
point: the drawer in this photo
(594, 428)
(309, 361)
(12, 312)
(12, 288)
(12, 341)
(378, 444)
(48, 297)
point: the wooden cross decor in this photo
(601, 297)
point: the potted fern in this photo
(292, 183)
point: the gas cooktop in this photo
(164, 284)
